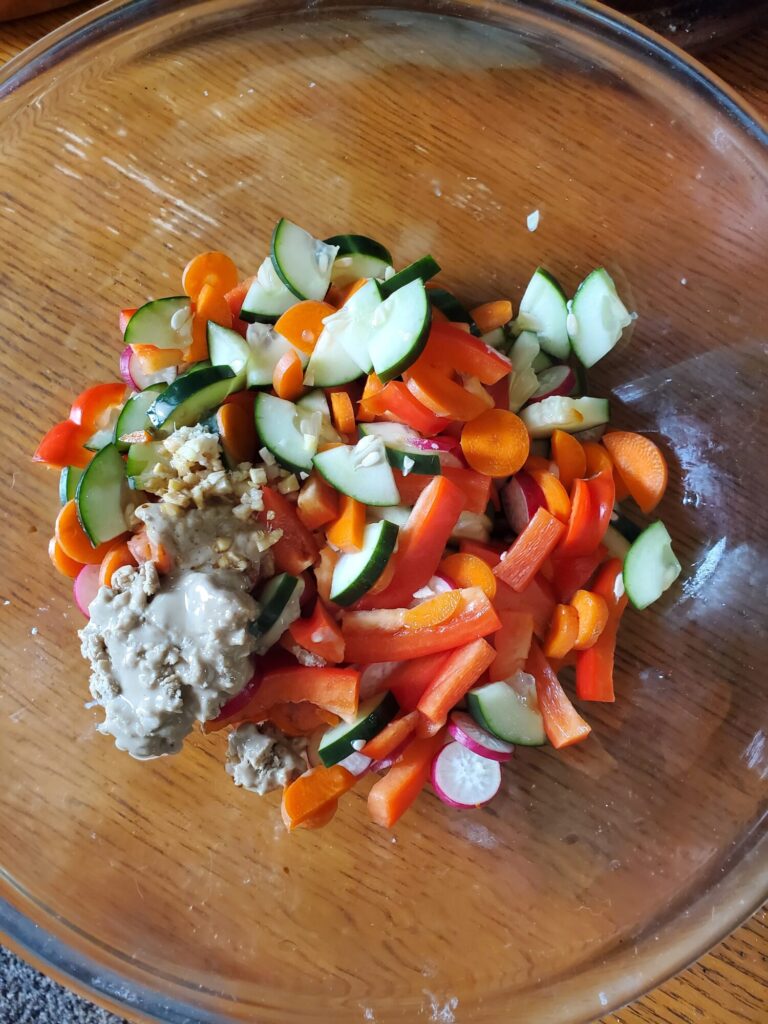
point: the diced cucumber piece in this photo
(140, 461)
(279, 601)
(164, 323)
(450, 306)
(303, 263)
(542, 362)
(422, 270)
(329, 365)
(267, 298)
(563, 413)
(650, 566)
(509, 710)
(227, 348)
(316, 416)
(497, 338)
(472, 526)
(357, 571)
(372, 715)
(360, 471)
(400, 453)
(191, 397)
(265, 348)
(523, 381)
(399, 330)
(358, 256)
(350, 326)
(598, 317)
(100, 439)
(397, 514)
(134, 414)
(544, 311)
(68, 481)
(616, 543)
(101, 495)
(278, 426)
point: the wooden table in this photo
(730, 984)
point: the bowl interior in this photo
(180, 127)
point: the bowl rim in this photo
(731, 899)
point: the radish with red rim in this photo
(521, 498)
(466, 731)
(135, 377)
(557, 380)
(464, 779)
(86, 587)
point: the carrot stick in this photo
(313, 792)
(641, 466)
(491, 315)
(391, 796)
(495, 443)
(391, 737)
(212, 305)
(468, 570)
(569, 457)
(288, 377)
(592, 611)
(318, 502)
(563, 631)
(342, 413)
(209, 268)
(302, 324)
(238, 432)
(530, 550)
(346, 532)
(459, 674)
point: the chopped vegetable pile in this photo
(432, 492)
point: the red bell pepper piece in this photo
(335, 689)
(92, 407)
(562, 722)
(319, 634)
(591, 508)
(512, 644)
(538, 598)
(461, 671)
(490, 552)
(476, 487)
(409, 679)
(572, 574)
(235, 299)
(594, 667)
(602, 492)
(62, 446)
(395, 402)
(296, 550)
(461, 352)
(530, 550)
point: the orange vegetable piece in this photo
(342, 413)
(569, 457)
(209, 268)
(238, 432)
(597, 458)
(434, 610)
(74, 541)
(324, 573)
(62, 562)
(555, 495)
(350, 289)
(322, 818)
(537, 462)
(318, 502)
(470, 571)
(302, 324)
(512, 643)
(562, 722)
(592, 611)
(288, 377)
(384, 580)
(459, 674)
(491, 315)
(319, 634)
(563, 631)
(212, 305)
(530, 550)
(391, 737)
(311, 795)
(436, 390)
(346, 533)
(153, 359)
(300, 719)
(495, 443)
(391, 796)
(117, 556)
(641, 466)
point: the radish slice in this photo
(356, 763)
(447, 449)
(465, 729)
(556, 380)
(464, 779)
(136, 378)
(86, 587)
(437, 584)
(521, 499)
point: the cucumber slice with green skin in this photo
(133, 416)
(650, 566)
(598, 317)
(140, 461)
(542, 362)
(265, 348)
(164, 323)
(360, 471)
(422, 270)
(509, 710)
(227, 348)
(563, 413)
(523, 382)
(616, 543)
(497, 338)
(349, 245)
(397, 514)
(190, 398)
(400, 453)
(399, 330)
(448, 304)
(357, 571)
(358, 256)
(69, 478)
(329, 365)
(303, 263)
(101, 495)
(544, 310)
(313, 408)
(350, 326)
(280, 606)
(267, 298)
(372, 716)
(277, 424)
(100, 439)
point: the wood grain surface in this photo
(730, 984)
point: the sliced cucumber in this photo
(616, 543)
(164, 323)
(303, 263)
(350, 326)
(650, 566)
(329, 365)
(133, 416)
(278, 426)
(509, 710)
(100, 439)
(450, 306)
(360, 471)
(400, 452)
(267, 298)
(190, 398)
(100, 496)
(497, 338)
(227, 348)
(372, 715)
(542, 362)
(140, 461)
(68, 481)
(279, 601)
(349, 245)
(358, 256)
(523, 381)
(313, 407)
(265, 347)
(563, 413)
(598, 317)
(357, 571)
(397, 514)
(399, 330)
(544, 310)
(422, 270)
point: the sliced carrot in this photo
(640, 465)
(597, 458)
(391, 796)
(563, 631)
(198, 350)
(555, 495)
(63, 563)
(153, 359)
(342, 413)
(569, 457)
(288, 377)
(346, 532)
(391, 737)
(322, 818)
(212, 305)
(530, 550)
(537, 462)
(470, 571)
(319, 634)
(118, 556)
(490, 552)
(302, 324)
(209, 268)
(562, 722)
(434, 610)
(491, 315)
(495, 443)
(511, 643)
(592, 611)
(318, 502)
(74, 541)
(324, 572)
(313, 793)
(237, 432)
(459, 674)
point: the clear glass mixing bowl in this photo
(145, 132)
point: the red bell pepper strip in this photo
(530, 550)
(512, 644)
(490, 552)
(335, 689)
(384, 636)
(476, 487)
(435, 387)
(296, 550)
(395, 402)
(538, 598)
(461, 352)
(572, 574)
(409, 679)
(594, 667)
(562, 722)
(92, 407)
(124, 316)
(235, 299)
(63, 445)
(391, 796)
(420, 544)
(459, 674)
(319, 634)
(602, 492)
(591, 507)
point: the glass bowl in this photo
(145, 132)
